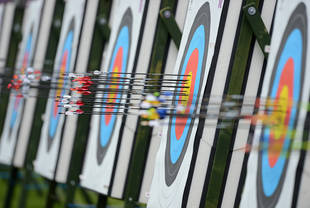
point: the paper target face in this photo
(176, 150)
(15, 109)
(52, 145)
(118, 63)
(104, 148)
(65, 61)
(193, 65)
(18, 100)
(285, 89)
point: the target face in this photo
(62, 84)
(118, 63)
(285, 90)
(192, 64)
(18, 100)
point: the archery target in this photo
(17, 100)
(193, 67)
(70, 125)
(30, 103)
(126, 20)
(172, 53)
(176, 148)
(272, 169)
(51, 133)
(62, 85)
(118, 64)
(16, 104)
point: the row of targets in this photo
(154, 106)
(175, 100)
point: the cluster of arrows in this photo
(154, 97)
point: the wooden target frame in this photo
(256, 70)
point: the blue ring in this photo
(197, 42)
(293, 49)
(55, 119)
(15, 112)
(122, 41)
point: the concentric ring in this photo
(193, 63)
(117, 63)
(18, 100)
(65, 62)
(285, 89)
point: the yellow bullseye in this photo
(115, 79)
(187, 89)
(280, 114)
(61, 80)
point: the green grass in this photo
(37, 192)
